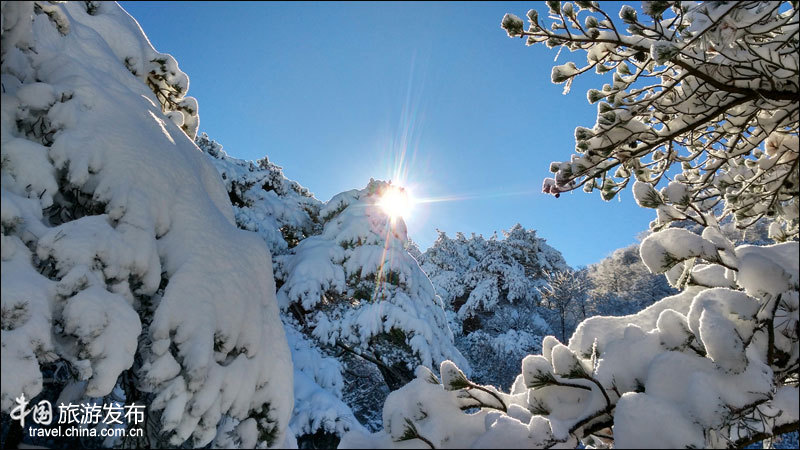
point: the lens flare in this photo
(396, 202)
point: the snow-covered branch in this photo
(709, 86)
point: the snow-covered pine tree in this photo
(284, 213)
(621, 284)
(477, 275)
(489, 287)
(280, 210)
(717, 364)
(356, 290)
(114, 231)
(446, 262)
(565, 292)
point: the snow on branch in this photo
(710, 88)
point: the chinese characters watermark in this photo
(77, 414)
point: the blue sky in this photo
(334, 93)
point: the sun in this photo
(396, 202)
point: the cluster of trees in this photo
(621, 284)
(359, 313)
(504, 295)
(336, 263)
(703, 98)
(489, 288)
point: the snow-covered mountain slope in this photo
(120, 252)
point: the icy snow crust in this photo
(156, 268)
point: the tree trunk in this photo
(395, 376)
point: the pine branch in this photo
(752, 439)
(502, 407)
(375, 361)
(771, 332)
